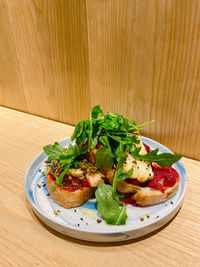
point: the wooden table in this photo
(26, 241)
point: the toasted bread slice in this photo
(143, 196)
(146, 196)
(66, 198)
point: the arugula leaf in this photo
(104, 157)
(61, 176)
(78, 130)
(89, 133)
(55, 176)
(163, 159)
(54, 151)
(119, 176)
(127, 140)
(96, 111)
(139, 127)
(108, 206)
(105, 141)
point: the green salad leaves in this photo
(113, 136)
(164, 159)
(108, 206)
(66, 158)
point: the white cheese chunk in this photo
(142, 170)
(94, 179)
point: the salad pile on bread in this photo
(108, 160)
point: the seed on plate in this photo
(55, 212)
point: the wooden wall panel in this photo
(140, 58)
(50, 38)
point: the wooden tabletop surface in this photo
(25, 240)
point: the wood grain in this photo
(141, 58)
(25, 241)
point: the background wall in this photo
(140, 58)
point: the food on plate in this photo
(109, 160)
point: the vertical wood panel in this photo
(145, 57)
(51, 47)
(140, 58)
(12, 92)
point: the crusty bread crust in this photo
(144, 196)
(148, 196)
(68, 199)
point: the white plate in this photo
(74, 223)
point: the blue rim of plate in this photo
(108, 231)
